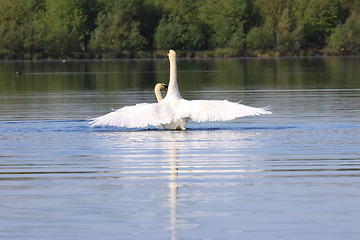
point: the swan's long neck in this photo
(173, 86)
(158, 92)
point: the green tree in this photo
(228, 21)
(188, 33)
(272, 9)
(166, 35)
(346, 36)
(262, 38)
(66, 26)
(114, 27)
(288, 34)
(125, 25)
(320, 18)
(16, 26)
(276, 28)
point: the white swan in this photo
(173, 111)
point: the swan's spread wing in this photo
(138, 116)
(215, 110)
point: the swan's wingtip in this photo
(267, 110)
(92, 122)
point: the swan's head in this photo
(161, 86)
(171, 53)
(157, 90)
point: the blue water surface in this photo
(294, 174)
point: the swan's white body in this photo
(173, 111)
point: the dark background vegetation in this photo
(36, 29)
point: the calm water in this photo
(294, 174)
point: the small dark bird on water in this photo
(18, 73)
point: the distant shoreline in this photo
(86, 56)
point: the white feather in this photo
(138, 116)
(216, 110)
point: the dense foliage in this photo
(117, 28)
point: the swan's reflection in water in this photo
(171, 158)
(173, 192)
(201, 152)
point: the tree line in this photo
(34, 29)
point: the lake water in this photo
(294, 174)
